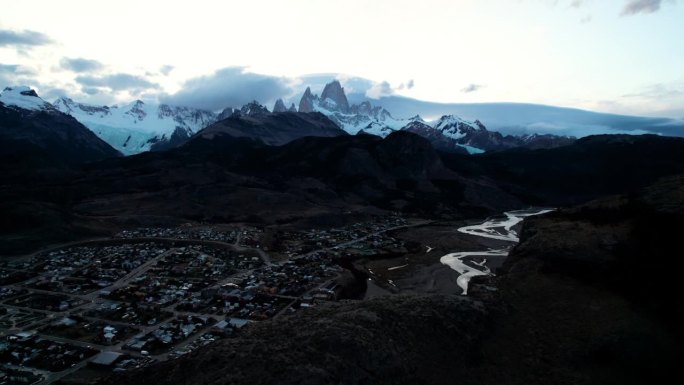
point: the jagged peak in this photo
(306, 103)
(335, 92)
(254, 108)
(450, 120)
(279, 106)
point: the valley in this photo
(368, 256)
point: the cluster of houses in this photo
(28, 349)
(293, 243)
(78, 328)
(169, 333)
(144, 299)
(81, 270)
(129, 313)
(184, 232)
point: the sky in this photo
(618, 56)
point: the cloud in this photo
(634, 7)
(116, 82)
(660, 91)
(229, 87)
(166, 69)
(15, 74)
(80, 64)
(90, 91)
(381, 89)
(8, 68)
(471, 88)
(23, 38)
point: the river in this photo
(500, 228)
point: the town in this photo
(83, 311)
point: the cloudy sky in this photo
(623, 56)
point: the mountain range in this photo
(138, 127)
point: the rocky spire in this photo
(279, 106)
(334, 91)
(306, 104)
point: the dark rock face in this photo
(306, 103)
(333, 91)
(179, 137)
(29, 93)
(292, 108)
(137, 111)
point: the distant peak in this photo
(253, 108)
(20, 90)
(334, 92)
(306, 103)
(23, 97)
(279, 106)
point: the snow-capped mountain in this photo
(453, 134)
(138, 126)
(22, 97)
(353, 119)
(448, 133)
(30, 125)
